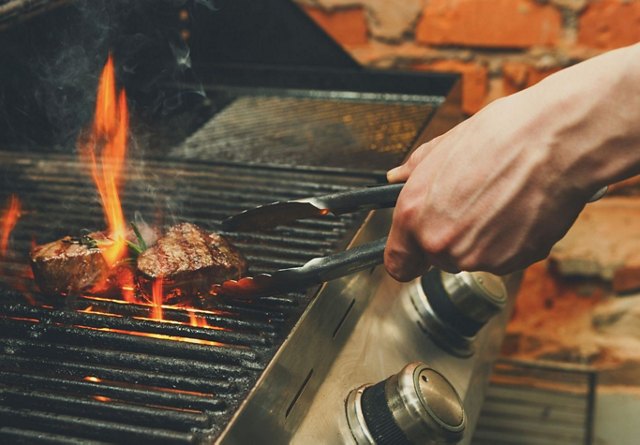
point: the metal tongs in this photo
(317, 270)
(322, 269)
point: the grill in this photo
(256, 120)
(96, 368)
(68, 363)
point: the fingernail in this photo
(392, 175)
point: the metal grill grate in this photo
(91, 368)
(538, 403)
(311, 130)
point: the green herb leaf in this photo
(137, 250)
(141, 243)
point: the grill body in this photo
(256, 117)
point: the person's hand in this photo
(496, 192)
(489, 195)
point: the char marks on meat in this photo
(189, 256)
(188, 259)
(67, 265)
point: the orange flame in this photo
(127, 285)
(105, 150)
(9, 221)
(157, 296)
(197, 321)
(93, 379)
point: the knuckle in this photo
(435, 242)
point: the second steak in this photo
(192, 259)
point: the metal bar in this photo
(591, 408)
(26, 436)
(149, 397)
(88, 319)
(126, 341)
(213, 369)
(112, 411)
(101, 430)
(67, 368)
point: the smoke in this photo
(207, 4)
(48, 94)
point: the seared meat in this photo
(186, 257)
(68, 265)
(191, 259)
(72, 264)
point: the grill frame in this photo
(332, 312)
(63, 338)
(327, 318)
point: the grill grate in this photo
(311, 130)
(536, 403)
(90, 368)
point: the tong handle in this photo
(376, 197)
(320, 270)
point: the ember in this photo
(9, 221)
(197, 320)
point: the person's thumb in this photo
(402, 172)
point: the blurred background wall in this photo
(499, 46)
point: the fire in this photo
(9, 221)
(127, 285)
(93, 379)
(197, 321)
(104, 148)
(157, 297)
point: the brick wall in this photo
(499, 46)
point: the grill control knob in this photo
(454, 307)
(416, 406)
(477, 295)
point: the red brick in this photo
(607, 24)
(517, 76)
(474, 81)
(627, 279)
(489, 23)
(347, 26)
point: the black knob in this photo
(416, 406)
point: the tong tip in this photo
(256, 286)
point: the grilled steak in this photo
(72, 264)
(68, 265)
(190, 259)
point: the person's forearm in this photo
(497, 191)
(595, 118)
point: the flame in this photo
(126, 281)
(105, 149)
(9, 221)
(157, 298)
(197, 321)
